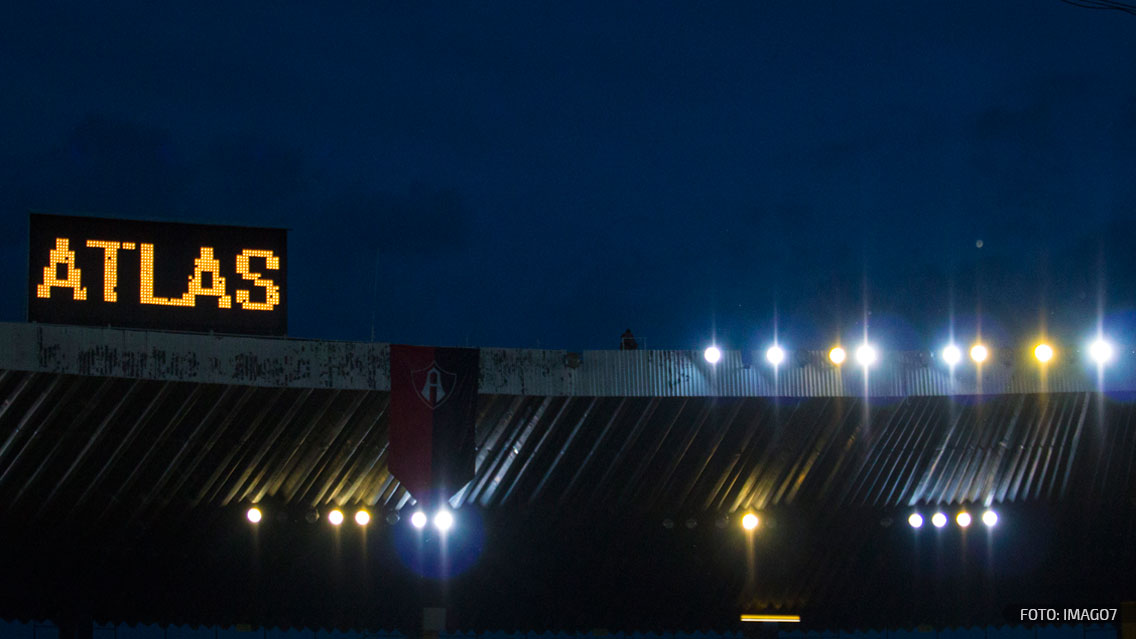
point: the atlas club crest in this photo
(433, 384)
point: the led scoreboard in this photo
(163, 275)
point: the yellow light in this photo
(271, 290)
(979, 353)
(362, 517)
(110, 267)
(772, 618)
(750, 521)
(335, 517)
(254, 515)
(62, 255)
(837, 355)
(1043, 352)
(963, 519)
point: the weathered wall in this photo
(259, 361)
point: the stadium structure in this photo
(609, 490)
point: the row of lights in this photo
(963, 519)
(443, 518)
(1101, 351)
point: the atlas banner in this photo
(433, 411)
(157, 275)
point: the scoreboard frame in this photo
(98, 271)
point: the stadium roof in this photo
(127, 459)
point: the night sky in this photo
(548, 174)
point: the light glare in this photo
(939, 520)
(775, 355)
(254, 515)
(963, 519)
(443, 520)
(335, 517)
(768, 618)
(837, 355)
(1043, 353)
(1100, 351)
(952, 355)
(989, 518)
(418, 519)
(712, 354)
(362, 517)
(866, 355)
(750, 521)
(979, 353)
(915, 520)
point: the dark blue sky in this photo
(524, 174)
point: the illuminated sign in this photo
(192, 277)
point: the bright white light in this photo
(775, 355)
(952, 355)
(915, 520)
(254, 515)
(443, 520)
(362, 517)
(750, 521)
(1043, 353)
(990, 518)
(963, 519)
(1101, 351)
(866, 355)
(418, 519)
(939, 520)
(979, 353)
(335, 517)
(712, 354)
(837, 355)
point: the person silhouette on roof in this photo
(627, 341)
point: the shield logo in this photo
(433, 384)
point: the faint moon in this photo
(978, 244)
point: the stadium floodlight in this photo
(335, 517)
(837, 355)
(915, 520)
(362, 517)
(979, 353)
(418, 519)
(254, 515)
(990, 518)
(443, 520)
(750, 521)
(1101, 350)
(866, 355)
(939, 520)
(963, 519)
(1043, 352)
(712, 354)
(775, 355)
(952, 355)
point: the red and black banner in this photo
(433, 411)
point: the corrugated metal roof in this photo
(140, 450)
(138, 463)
